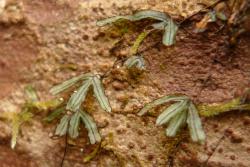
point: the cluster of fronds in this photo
(165, 23)
(177, 115)
(70, 122)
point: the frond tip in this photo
(177, 115)
(136, 61)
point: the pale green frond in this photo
(54, 114)
(176, 123)
(170, 33)
(74, 125)
(194, 124)
(160, 101)
(159, 26)
(135, 17)
(67, 84)
(172, 111)
(90, 125)
(78, 96)
(135, 61)
(100, 94)
(62, 127)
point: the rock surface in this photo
(46, 42)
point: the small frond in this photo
(135, 61)
(194, 124)
(78, 96)
(74, 124)
(176, 123)
(62, 127)
(135, 17)
(160, 101)
(90, 125)
(171, 112)
(100, 94)
(170, 33)
(67, 84)
(166, 23)
(177, 115)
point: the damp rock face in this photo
(44, 42)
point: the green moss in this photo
(138, 42)
(209, 110)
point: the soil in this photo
(45, 42)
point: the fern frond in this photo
(171, 112)
(62, 127)
(74, 124)
(176, 123)
(135, 61)
(166, 23)
(177, 114)
(78, 96)
(90, 125)
(100, 95)
(170, 33)
(160, 101)
(67, 84)
(194, 124)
